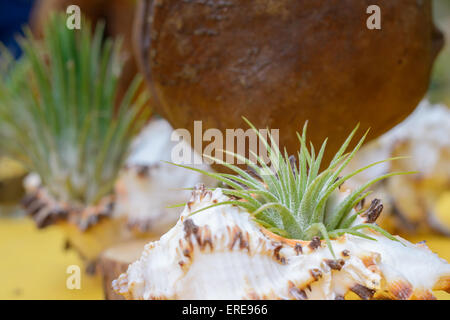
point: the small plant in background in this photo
(60, 116)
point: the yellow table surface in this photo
(33, 263)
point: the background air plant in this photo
(293, 199)
(59, 114)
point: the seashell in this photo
(148, 185)
(222, 247)
(411, 202)
(138, 207)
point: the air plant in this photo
(61, 117)
(292, 198)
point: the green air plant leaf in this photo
(294, 200)
(60, 113)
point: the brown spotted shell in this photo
(223, 248)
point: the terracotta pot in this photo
(281, 62)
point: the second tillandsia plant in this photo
(293, 199)
(60, 116)
(284, 231)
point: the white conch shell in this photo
(411, 200)
(144, 190)
(149, 185)
(220, 253)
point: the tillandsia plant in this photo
(293, 198)
(60, 115)
(261, 236)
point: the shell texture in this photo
(411, 201)
(148, 186)
(221, 253)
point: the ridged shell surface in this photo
(221, 253)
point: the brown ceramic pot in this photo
(281, 62)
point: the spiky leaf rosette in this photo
(60, 115)
(292, 198)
